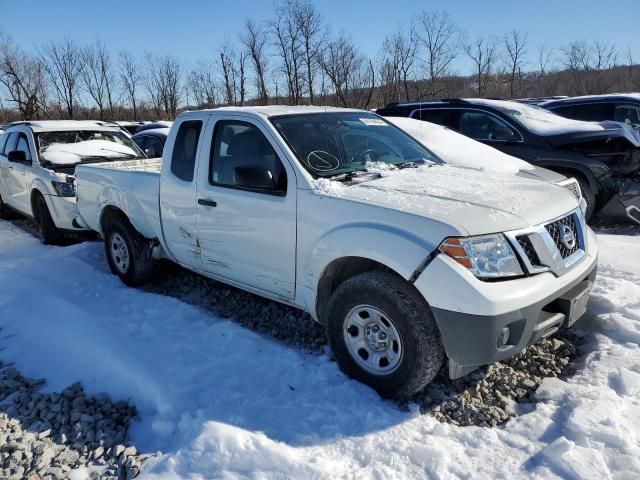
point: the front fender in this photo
(398, 250)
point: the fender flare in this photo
(398, 250)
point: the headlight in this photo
(486, 256)
(64, 189)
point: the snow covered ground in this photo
(221, 401)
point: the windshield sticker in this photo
(376, 122)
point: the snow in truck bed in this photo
(224, 402)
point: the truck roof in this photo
(276, 110)
(54, 125)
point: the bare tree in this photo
(313, 34)
(163, 84)
(588, 64)
(352, 76)
(483, 54)
(515, 45)
(399, 55)
(98, 77)
(240, 74)
(130, 79)
(62, 62)
(440, 42)
(255, 40)
(202, 85)
(23, 78)
(226, 63)
(289, 45)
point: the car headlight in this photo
(64, 189)
(486, 256)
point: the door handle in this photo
(207, 203)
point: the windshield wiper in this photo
(410, 164)
(124, 154)
(348, 176)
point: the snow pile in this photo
(221, 401)
(459, 150)
(73, 153)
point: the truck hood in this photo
(473, 202)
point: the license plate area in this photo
(574, 303)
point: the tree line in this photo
(295, 58)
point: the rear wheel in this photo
(49, 233)
(128, 252)
(383, 333)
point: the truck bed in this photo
(133, 186)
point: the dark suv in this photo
(605, 159)
(624, 108)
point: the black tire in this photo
(589, 196)
(423, 352)
(5, 211)
(49, 233)
(140, 264)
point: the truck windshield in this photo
(335, 143)
(73, 147)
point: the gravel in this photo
(47, 435)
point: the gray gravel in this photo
(483, 398)
(47, 435)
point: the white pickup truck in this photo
(405, 260)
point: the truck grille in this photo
(565, 235)
(529, 250)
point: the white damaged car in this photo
(37, 165)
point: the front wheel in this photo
(382, 333)
(49, 233)
(128, 252)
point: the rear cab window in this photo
(185, 149)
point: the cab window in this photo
(242, 157)
(482, 126)
(626, 113)
(183, 160)
(10, 143)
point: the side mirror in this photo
(17, 156)
(254, 177)
(150, 152)
(503, 134)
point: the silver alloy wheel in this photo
(372, 339)
(119, 253)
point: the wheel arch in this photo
(340, 270)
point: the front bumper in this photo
(63, 211)
(484, 322)
(624, 206)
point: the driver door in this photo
(17, 174)
(247, 235)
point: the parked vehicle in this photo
(404, 259)
(154, 125)
(623, 108)
(461, 151)
(605, 159)
(37, 162)
(129, 127)
(151, 141)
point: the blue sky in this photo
(193, 29)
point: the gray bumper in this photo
(624, 206)
(474, 340)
